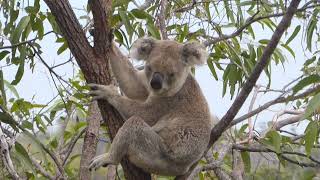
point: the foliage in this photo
(231, 31)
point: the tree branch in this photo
(290, 120)
(251, 81)
(5, 156)
(251, 20)
(90, 140)
(162, 19)
(275, 101)
(71, 146)
(41, 169)
(24, 42)
(258, 148)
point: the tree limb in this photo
(251, 81)
(290, 120)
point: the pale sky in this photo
(38, 84)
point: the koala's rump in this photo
(186, 138)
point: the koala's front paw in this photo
(99, 91)
(99, 161)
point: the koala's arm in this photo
(126, 106)
(129, 78)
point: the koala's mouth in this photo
(159, 92)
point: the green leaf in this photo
(11, 88)
(211, 67)
(305, 82)
(310, 61)
(313, 106)
(273, 141)
(245, 156)
(294, 34)
(289, 49)
(24, 154)
(20, 71)
(3, 93)
(243, 128)
(311, 27)
(6, 118)
(3, 54)
(54, 143)
(53, 22)
(26, 124)
(62, 48)
(126, 22)
(18, 30)
(311, 136)
(207, 9)
(140, 14)
(153, 31)
(264, 41)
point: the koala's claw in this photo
(99, 91)
(98, 161)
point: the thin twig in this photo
(250, 125)
(275, 101)
(41, 169)
(258, 148)
(71, 146)
(24, 42)
(251, 20)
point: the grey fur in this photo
(166, 130)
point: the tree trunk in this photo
(93, 61)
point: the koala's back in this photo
(185, 123)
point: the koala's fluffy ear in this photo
(141, 48)
(194, 53)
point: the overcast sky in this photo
(38, 84)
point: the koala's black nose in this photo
(156, 81)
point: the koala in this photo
(168, 122)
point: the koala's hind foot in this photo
(101, 160)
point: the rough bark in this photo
(90, 140)
(93, 61)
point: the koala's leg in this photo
(144, 147)
(127, 76)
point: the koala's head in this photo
(167, 63)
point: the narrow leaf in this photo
(313, 106)
(311, 136)
(293, 35)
